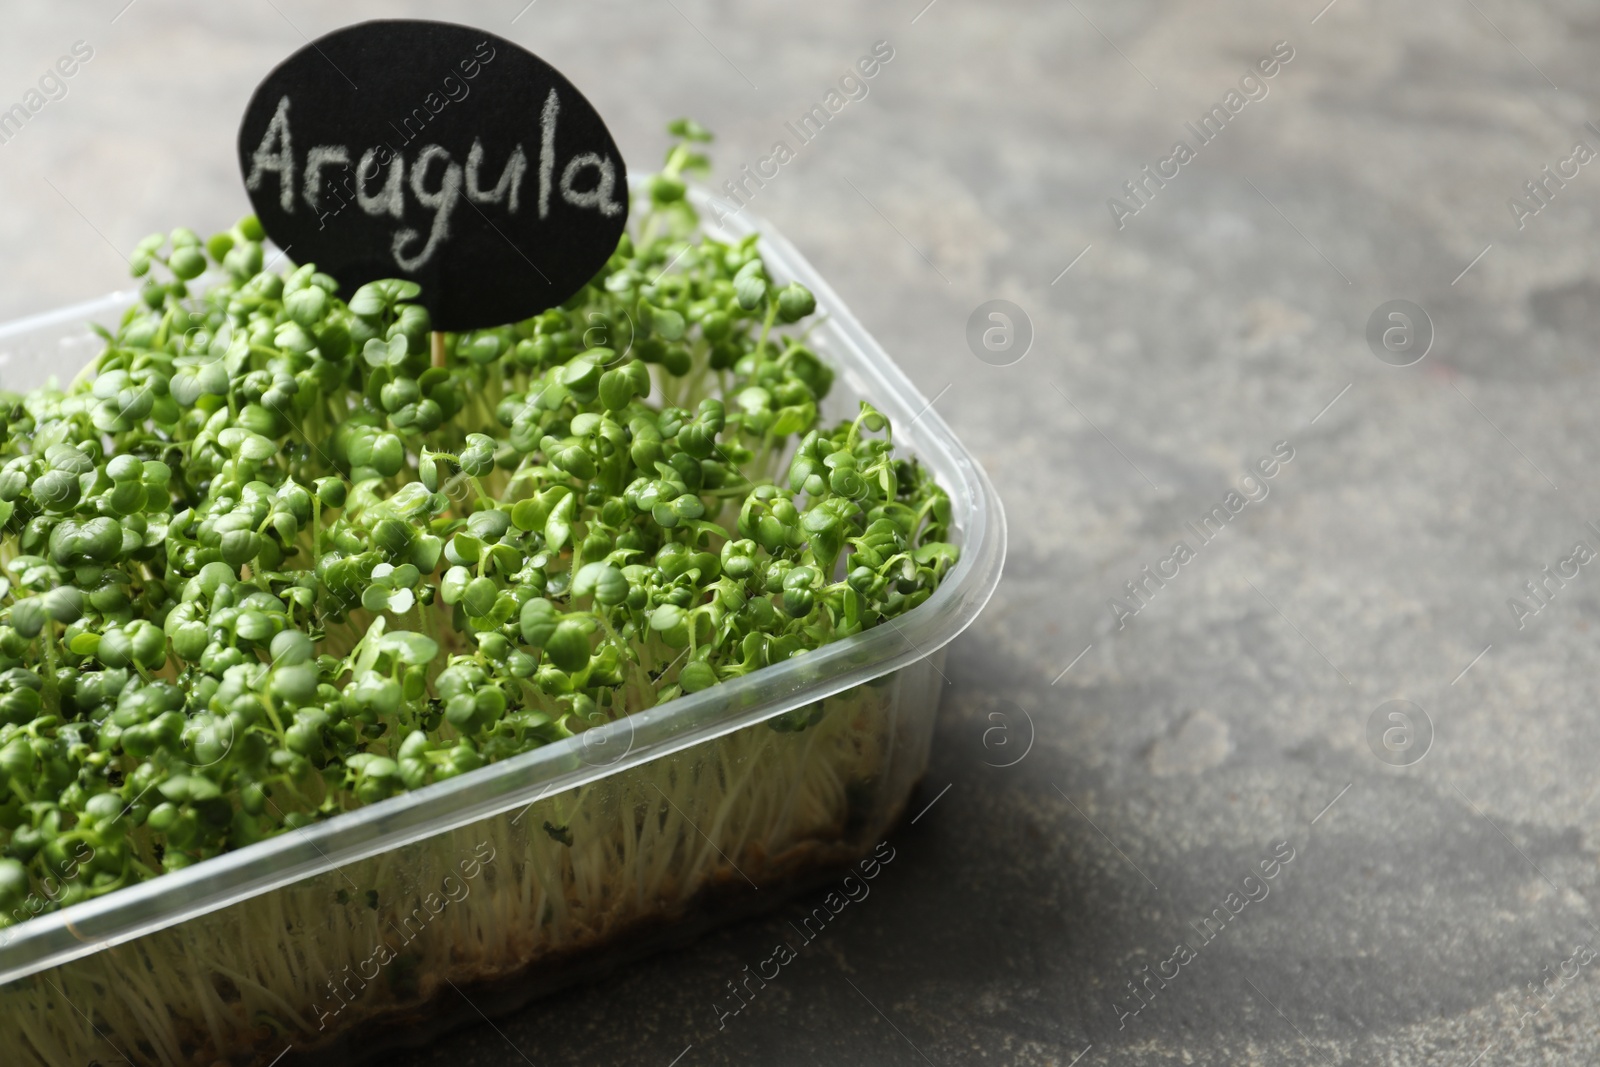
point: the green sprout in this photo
(264, 562)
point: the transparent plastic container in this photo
(390, 923)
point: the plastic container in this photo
(387, 924)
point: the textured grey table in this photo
(1229, 313)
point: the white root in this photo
(298, 965)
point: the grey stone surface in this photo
(1227, 316)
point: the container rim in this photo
(83, 929)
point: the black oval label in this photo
(438, 153)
